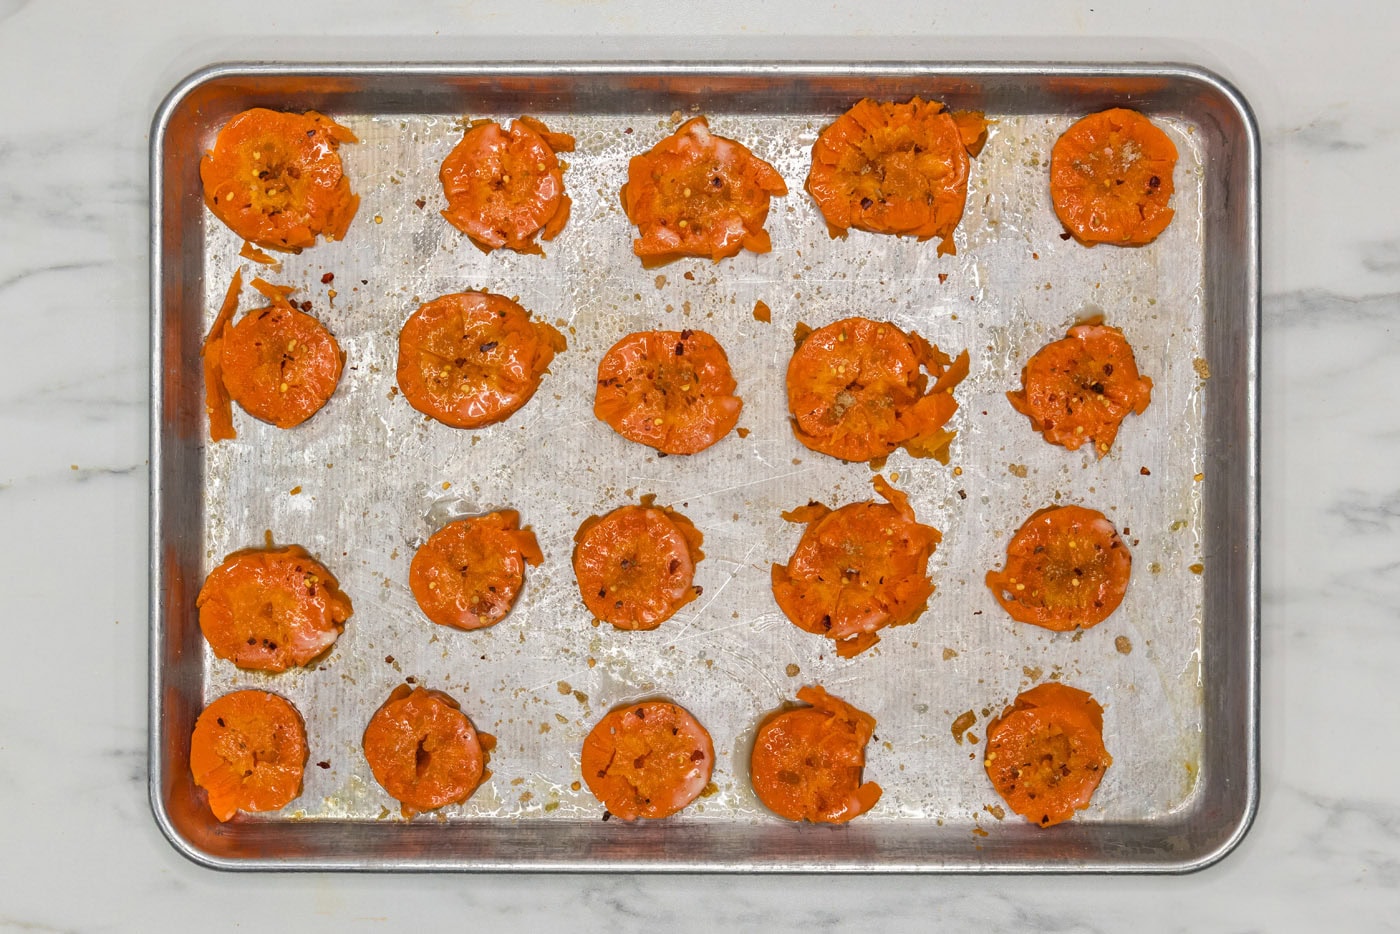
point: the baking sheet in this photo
(365, 481)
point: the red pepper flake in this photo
(328, 278)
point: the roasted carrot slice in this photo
(670, 390)
(271, 609)
(807, 762)
(647, 760)
(468, 573)
(1078, 390)
(1045, 753)
(892, 168)
(276, 179)
(857, 389)
(278, 363)
(1111, 178)
(248, 752)
(857, 570)
(698, 194)
(636, 566)
(504, 187)
(1066, 568)
(423, 750)
(472, 359)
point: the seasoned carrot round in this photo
(670, 390)
(1045, 753)
(271, 609)
(280, 364)
(472, 359)
(807, 762)
(698, 194)
(276, 179)
(857, 390)
(857, 570)
(248, 753)
(895, 169)
(423, 750)
(1111, 178)
(468, 573)
(636, 566)
(506, 187)
(647, 760)
(1066, 568)
(1078, 390)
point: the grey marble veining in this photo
(78, 848)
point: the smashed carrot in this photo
(277, 181)
(1111, 178)
(698, 194)
(636, 566)
(647, 760)
(1066, 568)
(857, 389)
(1078, 390)
(1045, 753)
(278, 363)
(472, 359)
(857, 570)
(895, 169)
(504, 187)
(670, 390)
(807, 762)
(271, 609)
(248, 753)
(423, 750)
(468, 573)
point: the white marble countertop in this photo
(79, 849)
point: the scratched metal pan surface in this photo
(368, 479)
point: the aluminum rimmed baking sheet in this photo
(1175, 666)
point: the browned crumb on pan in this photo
(962, 723)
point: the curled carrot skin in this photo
(696, 193)
(1066, 568)
(859, 389)
(277, 181)
(807, 763)
(271, 609)
(1045, 753)
(635, 566)
(504, 187)
(218, 405)
(895, 169)
(647, 760)
(1111, 179)
(472, 359)
(423, 750)
(469, 573)
(670, 390)
(857, 570)
(1079, 390)
(248, 752)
